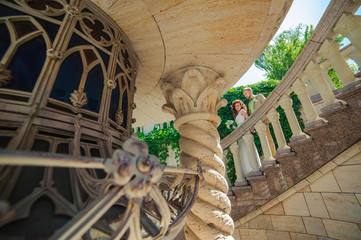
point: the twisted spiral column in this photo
(193, 97)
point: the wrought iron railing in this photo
(138, 198)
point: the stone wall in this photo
(325, 205)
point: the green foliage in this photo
(279, 57)
(158, 141)
(263, 87)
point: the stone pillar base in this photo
(338, 105)
(266, 164)
(282, 151)
(254, 174)
(316, 124)
(299, 138)
(349, 87)
(240, 184)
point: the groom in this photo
(254, 102)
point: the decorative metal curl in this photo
(134, 169)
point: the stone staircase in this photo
(326, 141)
(332, 116)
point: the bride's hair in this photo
(234, 111)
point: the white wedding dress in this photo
(244, 155)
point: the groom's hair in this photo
(248, 89)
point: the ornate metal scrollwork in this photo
(96, 29)
(46, 7)
(154, 199)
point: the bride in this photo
(250, 160)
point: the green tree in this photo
(279, 56)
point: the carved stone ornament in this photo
(188, 91)
(111, 83)
(119, 117)
(5, 75)
(193, 96)
(57, 55)
(78, 98)
(72, 10)
(134, 169)
(133, 105)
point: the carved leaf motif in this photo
(183, 103)
(193, 95)
(207, 100)
(5, 75)
(78, 98)
(193, 83)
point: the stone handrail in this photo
(310, 53)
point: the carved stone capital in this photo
(193, 90)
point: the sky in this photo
(302, 11)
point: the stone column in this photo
(235, 149)
(286, 104)
(273, 116)
(248, 139)
(315, 72)
(300, 88)
(261, 129)
(331, 51)
(350, 26)
(193, 97)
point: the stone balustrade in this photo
(306, 78)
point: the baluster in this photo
(315, 72)
(326, 76)
(261, 129)
(274, 117)
(235, 149)
(300, 88)
(286, 104)
(254, 161)
(331, 51)
(350, 26)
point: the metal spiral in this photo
(209, 217)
